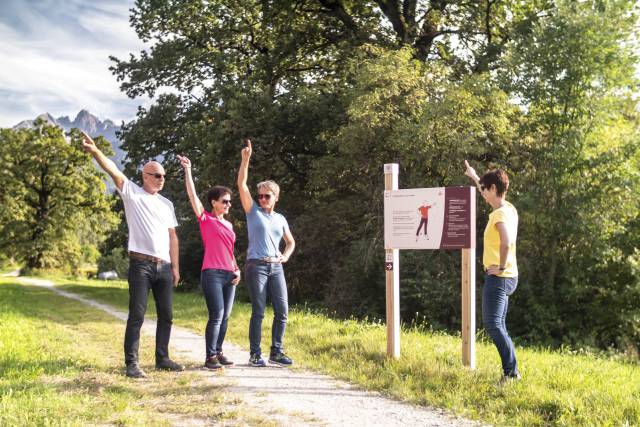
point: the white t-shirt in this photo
(149, 217)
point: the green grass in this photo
(61, 364)
(559, 388)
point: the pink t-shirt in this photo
(219, 240)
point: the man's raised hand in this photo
(184, 161)
(87, 143)
(246, 151)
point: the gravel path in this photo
(290, 397)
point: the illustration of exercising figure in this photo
(424, 218)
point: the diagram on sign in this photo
(423, 210)
(429, 218)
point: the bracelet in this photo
(502, 268)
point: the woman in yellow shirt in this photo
(499, 260)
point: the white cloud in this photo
(54, 58)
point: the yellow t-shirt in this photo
(508, 215)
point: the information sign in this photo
(430, 218)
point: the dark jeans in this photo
(495, 302)
(263, 278)
(219, 294)
(145, 275)
(424, 221)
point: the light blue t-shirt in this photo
(265, 232)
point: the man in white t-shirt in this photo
(153, 253)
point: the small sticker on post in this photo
(391, 168)
(388, 265)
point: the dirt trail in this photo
(288, 397)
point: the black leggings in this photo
(424, 221)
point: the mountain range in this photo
(86, 122)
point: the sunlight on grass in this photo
(61, 363)
(558, 388)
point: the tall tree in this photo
(51, 195)
(329, 90)
(574, 73)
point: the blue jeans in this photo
(263, 278)
(157, 277)
(219, 293)
(495, 302)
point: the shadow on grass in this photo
(375, 356)
(41, 304)
(13, 368)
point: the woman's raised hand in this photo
(184, 161)
(246, 151)
(471, 172)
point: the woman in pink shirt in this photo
(220, 273)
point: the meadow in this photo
(559, 387)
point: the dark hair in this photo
(498, 178)
(216, 192)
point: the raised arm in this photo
(196, 204)
(243, 189)
(471, 173)
(105, 163)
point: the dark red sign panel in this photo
(459, 230)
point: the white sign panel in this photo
(430, 218)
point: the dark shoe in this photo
(134, 371)
(280, 359)
(257, 361)
(223, 360)
(212, 363)
(169, 365)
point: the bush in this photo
(116, 260)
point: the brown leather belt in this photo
(269, 260)
(144, 257)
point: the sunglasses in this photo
(264, 196)
(225, 202)
(156, 175)
(482, 187)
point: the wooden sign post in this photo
(469, 307)
(429, 218)
(392, 269)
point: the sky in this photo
(54, 57)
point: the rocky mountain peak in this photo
(87, 122)
(47, 118)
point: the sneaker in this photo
(169, 365)
(280, 359)
(134, 371)
(224, 361)
(212, 363)
(506, 379)
(257, 361)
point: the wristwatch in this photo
(502, 268)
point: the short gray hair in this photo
(270, 186)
